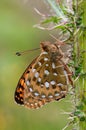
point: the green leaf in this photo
(53, 19)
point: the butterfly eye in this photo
(45, 48)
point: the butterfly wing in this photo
(42, 82)
(23, 95)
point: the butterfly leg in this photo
(69, 74)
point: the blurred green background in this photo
(17, 34)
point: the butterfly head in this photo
(50, 48)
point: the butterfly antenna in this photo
(23, 52)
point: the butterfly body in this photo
(45, 79)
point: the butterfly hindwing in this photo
(48, 81)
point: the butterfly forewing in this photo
(43, 81)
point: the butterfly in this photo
(46, 79)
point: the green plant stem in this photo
(79, 45)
